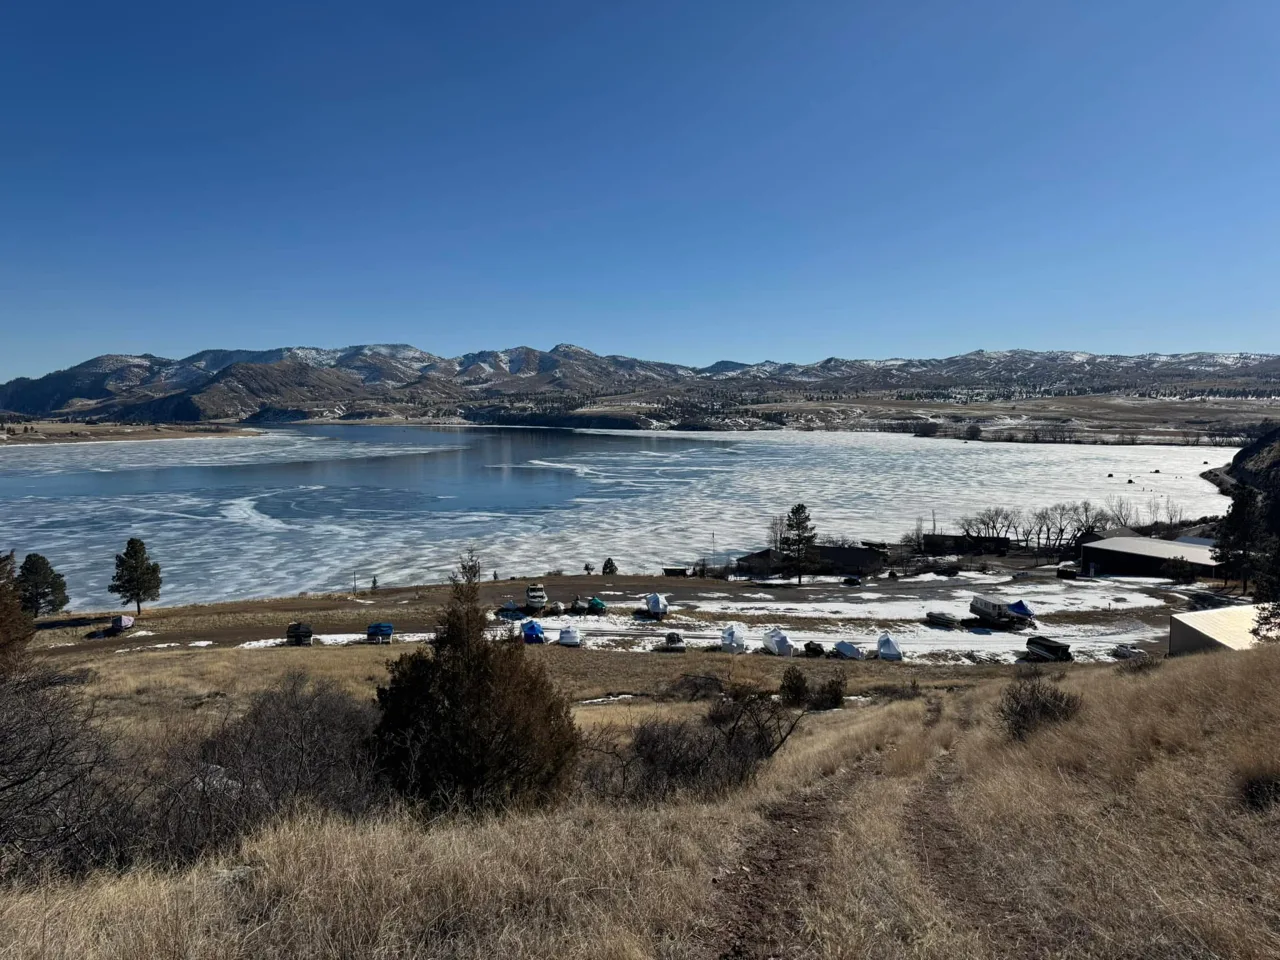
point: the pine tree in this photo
(798, 542)
(610, 568)
(137, 576)
(40, 588)
(1267, 593)
(16, 625)
(1241, 534)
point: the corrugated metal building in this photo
(1225, 628)
(1143, 557)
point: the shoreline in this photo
(84, 434)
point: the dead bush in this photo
(58, 805)
(1031, 701)
(300, 742)
(1258, 782)
(1136, 666)
(896, 691)
(474, 724)
(794, 689)
(691, 687)
(660, 759)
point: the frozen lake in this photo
(311, 508)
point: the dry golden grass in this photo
(1120, 833)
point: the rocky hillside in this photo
(371, 379)
(1258, 464)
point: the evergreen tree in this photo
(40, 588)
(1241, 535)
(610, 568)
(16, 625)
(137, 576)
(798, 542)
(1268, 587)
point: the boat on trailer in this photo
(1044, 650)
(570, 637)
(939, 618)
(777, 643)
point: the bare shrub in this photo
(476, 724)
(660, 759)
(794, 689)
(1031, 701)
(57, 806)
(896, 691)
(1259, 789)
(1137, 666)
(301, 741)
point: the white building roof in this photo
(1230, 626)
(1164, 549)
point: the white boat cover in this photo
(776, 642)
(733, 639)
(887, 649)
(847, 651)
(656, 604)
(570, 637)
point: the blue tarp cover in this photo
(1021, 609)
(533, 632)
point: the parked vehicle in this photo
(535, 597)
(887, 649)
(853, 581)
(847, 651)
(298, 635)
(1048, 651)
(776, 642)
(672, 643)
(1068, 571)
(532, 632)
(1001, 615)
(733, 639)
(379, 633)
(656, 605)
(938, 618)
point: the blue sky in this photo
(677, 181)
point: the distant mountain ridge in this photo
(235, 384)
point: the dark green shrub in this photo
(828, 695)
(475, 723)
(794, 690)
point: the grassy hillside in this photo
(907, 825)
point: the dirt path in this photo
(977, 894)
(758, 899)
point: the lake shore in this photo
(49, 432)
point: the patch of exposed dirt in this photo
(758, 900)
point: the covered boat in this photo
(511, 610)
(672, 643)
(1127, 651)
(570, 637)
(532, 632)
(887, 648)
(939, 618)
(121, 623)
(814, 649)
(579, 606)
(597, 607)
(848, 651)
(777, 643)
(655, 604)
(999, 614)
(379, 633)
(1048, 651)
(298, 635)
(1020, 611)
(733, 639)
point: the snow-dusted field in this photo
(292, 511)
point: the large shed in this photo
(1224, 628)
(1143, 557)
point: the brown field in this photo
(896, 828)
(55, 431)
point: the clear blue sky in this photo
(678, 181)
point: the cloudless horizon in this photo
(677, 182)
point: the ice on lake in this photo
(313, 508)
